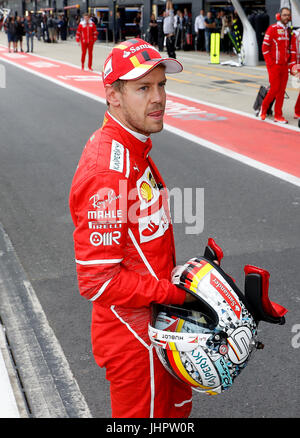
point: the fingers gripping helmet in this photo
(207, 343)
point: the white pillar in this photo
(249, 37)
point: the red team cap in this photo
(133, 59)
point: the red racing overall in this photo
(87, 34)
(125, 253)
(276, 51)
(295, 57)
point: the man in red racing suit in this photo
(276, 51)
(86, 34)
(125, 253)
(295, 65)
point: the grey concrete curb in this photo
(48, 385)
(12, 402)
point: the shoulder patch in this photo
(117, 156)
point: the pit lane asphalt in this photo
(253, 216)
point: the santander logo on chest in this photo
(153, 221)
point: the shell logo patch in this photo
(146, 191)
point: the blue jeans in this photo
(207, 41)
(29, 37)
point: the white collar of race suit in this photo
(83, 22)
(282, 25)
(141, 137)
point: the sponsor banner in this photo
(106, 216)
(205, 367)
(105, 239)
(223, 371)
(227, 294)
(154, 226)
(117, 156)
(147, 189)
(98, 225)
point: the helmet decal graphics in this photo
(239, 342)
(226, 294)
(208, 341)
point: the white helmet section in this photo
(211, 287)
(208, 345)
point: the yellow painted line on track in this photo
(217, 78)
(224, 70)
(178, 80)
(233, 82)
(214, 89)
(252, 85)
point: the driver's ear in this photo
(113, 96)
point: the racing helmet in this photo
(207, 343)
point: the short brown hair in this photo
(118, 85)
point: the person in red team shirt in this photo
(86, 34)
(295, 65)
(123, 238)
(276, 52)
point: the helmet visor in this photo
(181, 319)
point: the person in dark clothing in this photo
(30, 29)
(178, 22)
(38, 21)
(51, 29)
(119, 27)
(137, 22)
(187, 30)
(160, 32)
(11, 33)
(19, 33)
(153, 30)
(64, 28)
(94, 19)
(44, 28)
(210, 27)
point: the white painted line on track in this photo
(236, 156)
(234, 111)
(200, 141)
(55, 81)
